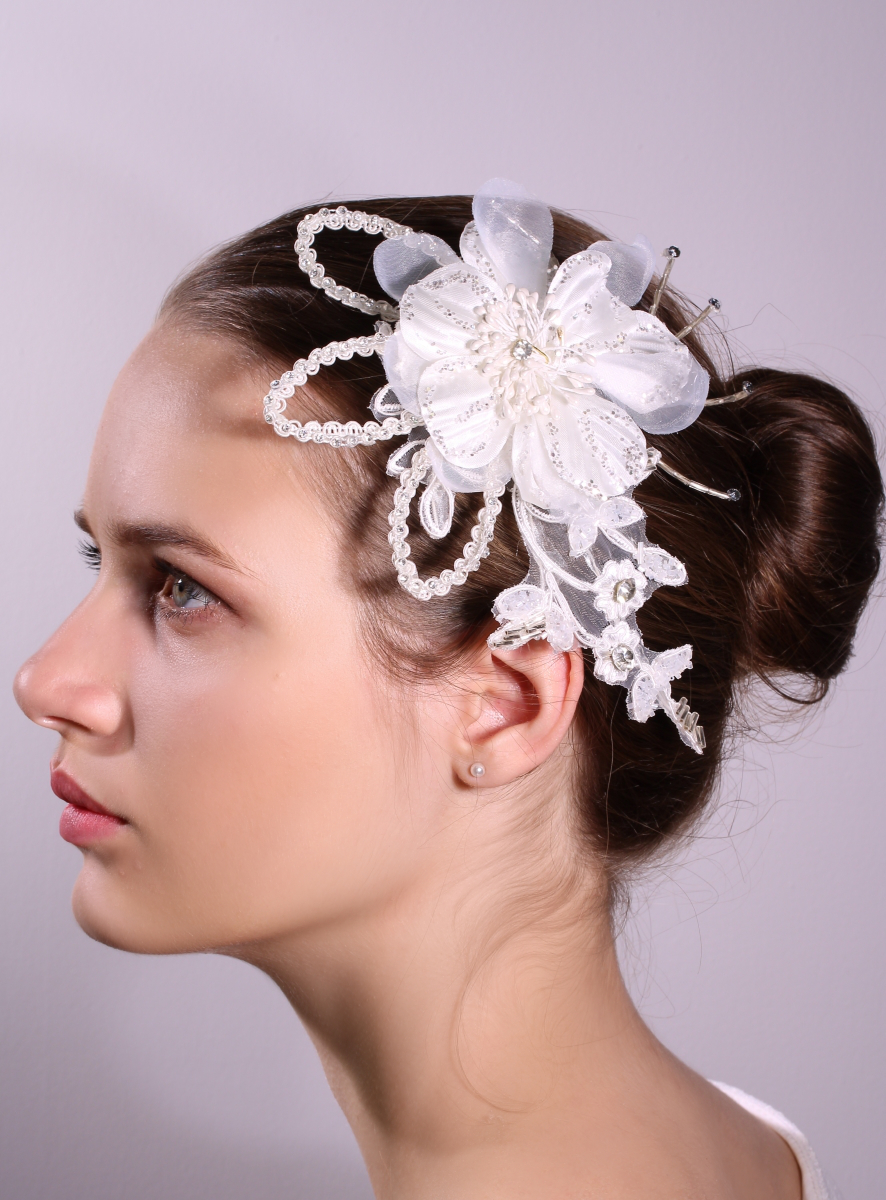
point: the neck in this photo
(466, 1022)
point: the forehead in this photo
(183, 438)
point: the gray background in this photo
(134, 136)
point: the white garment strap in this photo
(814, 1184)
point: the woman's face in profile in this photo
(210, 690)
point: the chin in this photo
(108, 915)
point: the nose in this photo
(71, 684)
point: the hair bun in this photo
(814, 501)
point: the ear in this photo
(519, 706)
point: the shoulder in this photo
(814, 1184)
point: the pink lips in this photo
(83, 820)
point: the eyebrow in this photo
(136, 533)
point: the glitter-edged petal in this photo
(594, 445)
(460, 414)
(438, 314)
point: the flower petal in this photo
(588, 312)
(460, 413)
(437, 314)
(520, 603)
(471, 249)
(400, 262)
(467, 479)
(646, 371)
(686, 406)
(631, 270)
(517, 232)
(403, 368)
(661, 566)
(594, 445)
(534, 473)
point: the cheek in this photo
(264, 797)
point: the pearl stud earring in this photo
(477, 770)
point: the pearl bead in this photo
(477, 770)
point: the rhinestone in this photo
(673, 252)
(625, 591)
(521, 349)
(622, 658)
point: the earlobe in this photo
(524, 703)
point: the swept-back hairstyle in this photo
(777, 581)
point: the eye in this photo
(180, 593)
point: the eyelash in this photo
(172, 577)
(91, 555)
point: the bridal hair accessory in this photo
(506, 367)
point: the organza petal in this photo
(517, 232)
(632, 268)
(401, 458)
(645, 370)
(469, 479)
(403, 368)
(594, 445)
(460, 413)
(400, 262)
(688, 404)
(437, 314)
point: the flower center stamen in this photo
(511, 334)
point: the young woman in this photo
(413, 794)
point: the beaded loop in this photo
(474, 552)
(332, 433)
(344, 218)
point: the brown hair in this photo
(777, 581)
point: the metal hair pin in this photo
(732, 494)
(742, 395)
(713, 305)
(672, 254)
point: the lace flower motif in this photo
(616, 652)
(619, 590)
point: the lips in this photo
(83, 820)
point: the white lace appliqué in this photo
(503, 368)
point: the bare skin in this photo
(445, 943)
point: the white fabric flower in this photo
(616, 652)
(515, 367)
(619, 590)
(548, 383)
